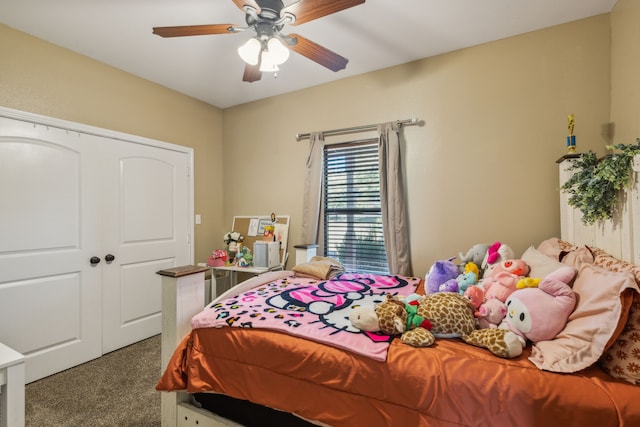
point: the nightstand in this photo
(304, 253)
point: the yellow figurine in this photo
(571, 123)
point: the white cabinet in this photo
(72, 197)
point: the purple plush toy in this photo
(439, 273)
(450, 285)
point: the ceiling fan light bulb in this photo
(278, 52)
(267, 64)
(250, 51)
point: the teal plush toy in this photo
(468, 278)
(465, 280)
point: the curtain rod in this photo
(301, 136)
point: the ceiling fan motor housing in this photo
(266, 22)
(270, 10)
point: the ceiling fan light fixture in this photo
(250, 51)
(273, 55)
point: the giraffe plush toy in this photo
(441, 315)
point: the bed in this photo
(586, 376)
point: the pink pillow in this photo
(555, 248)
(592, 324)
(578, 256)
(550, 248)
(540, 265)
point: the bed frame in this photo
(183, 296)
(183, 287)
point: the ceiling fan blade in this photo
(251, 3)
(252, 73)
(317, 53)
(193, 30)
(308, 10)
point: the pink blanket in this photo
(312, 309)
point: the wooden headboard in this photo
(619, 236)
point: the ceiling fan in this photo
(268, 48)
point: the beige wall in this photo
(625, 66)
(481, 169)
(41, 78)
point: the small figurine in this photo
(571, 139)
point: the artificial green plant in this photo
(595, 183)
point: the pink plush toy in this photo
(539, 314)
(475, 295)
(491, 313)
(503, 279)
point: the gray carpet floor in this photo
(117, 389)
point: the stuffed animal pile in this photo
(502, 315)
(479, 262)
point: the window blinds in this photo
(352, 212)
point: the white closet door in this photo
(70, 199)
(49, 229)
(145, 227)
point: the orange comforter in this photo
(448, 384)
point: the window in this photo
(352, 213)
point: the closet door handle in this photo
(109, 258)
(94, 260)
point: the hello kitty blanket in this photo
(314, 309)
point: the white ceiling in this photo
(374, 35)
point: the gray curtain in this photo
(312, 190)
(392, 197)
